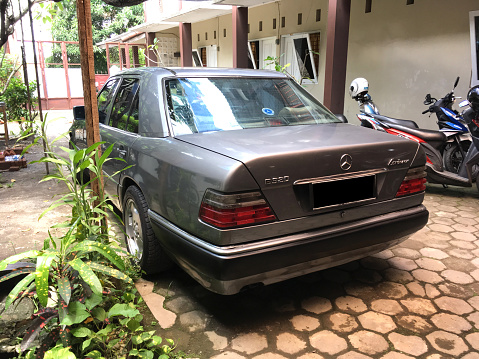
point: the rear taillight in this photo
(414, 182)
(235, 210)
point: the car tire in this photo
(453, 158)
(140, 239)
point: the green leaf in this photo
(99, 313)
(87, 275)
(95, 354)
(77, 313)
(59, 353)
(92, 301)
(16, 272)
(81, 332)
(145, 353)
(15, 258)
(41, 277)
(22, 285)
(85, 344)
(64, 289)
(104, 249)
(109, 271)
(122, 309)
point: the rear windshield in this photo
(221, 104)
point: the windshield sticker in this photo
(268, 111)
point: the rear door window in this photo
(104, 99)
(123, 109)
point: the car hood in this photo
(280, 157)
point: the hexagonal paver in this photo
(194, 321)
(396, 355)
(433, 253)
(419, 306)
(391, 290)
(289, 343)
(378, 322)
(431, 264)
(353, 355)
(218, 341)
(447, 343)
(316, 305)
(427, 276)
(228, 355)
(249, 343)
(457, 277)
(473, 339)
(311, 356)
(269, 356)
(464, 236)
(414, 323)
(342, 322)
(451, 323)
(408, 344)
(431, 291)
(386, 306)
(397, 275)
(351, 304)
(402, 263)
(305, 323)
(327, 342)
(444, 228)
(368, 342)
(454, 305)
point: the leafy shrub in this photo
(16, 99)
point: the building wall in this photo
(407, 51)
(266, 13)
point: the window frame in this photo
(474, 47)
(114, 90)
(135, 90)
(315, 67)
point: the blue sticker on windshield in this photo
(268, 111)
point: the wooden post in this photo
(336, 55)
(89, 89)
(186, 44)
(240, 37)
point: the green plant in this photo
(277, 64)
(16, 101)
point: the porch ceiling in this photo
(245, 3)
(136, 35)
(200, 14)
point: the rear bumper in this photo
(226, 270)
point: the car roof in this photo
(202, 72)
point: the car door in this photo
(121, 130)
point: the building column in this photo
(336, 54)
(240, 37)
(151, 59)
(186, 44)
(136, 57)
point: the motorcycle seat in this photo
(437, 139)
(395, 121)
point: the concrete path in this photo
(416, 300)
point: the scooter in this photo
(457, 136)
(433, 142)
(452, 124)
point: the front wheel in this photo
(453, 158)
(139, 236)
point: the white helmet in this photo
(358, 87)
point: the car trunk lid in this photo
(305, 170)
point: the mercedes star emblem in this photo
(346, 162)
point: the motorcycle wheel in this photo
(453, 158)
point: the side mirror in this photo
(78, 112)
(342, 118)
(455, 83)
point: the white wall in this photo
(407, 51)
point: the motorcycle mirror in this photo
(457, 81)
(464, 103)
(428, 100)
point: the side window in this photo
(132, 125)
(104, 99)
(123, 101)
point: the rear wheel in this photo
(453, 158)
(139, 236)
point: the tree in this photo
(106, 20)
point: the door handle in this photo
(121, 152)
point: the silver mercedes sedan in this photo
(242, 178)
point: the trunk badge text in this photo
(275, 180)
(397, 161)
(346, 162)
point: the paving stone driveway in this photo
(416, 300)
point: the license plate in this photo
(326, 194)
